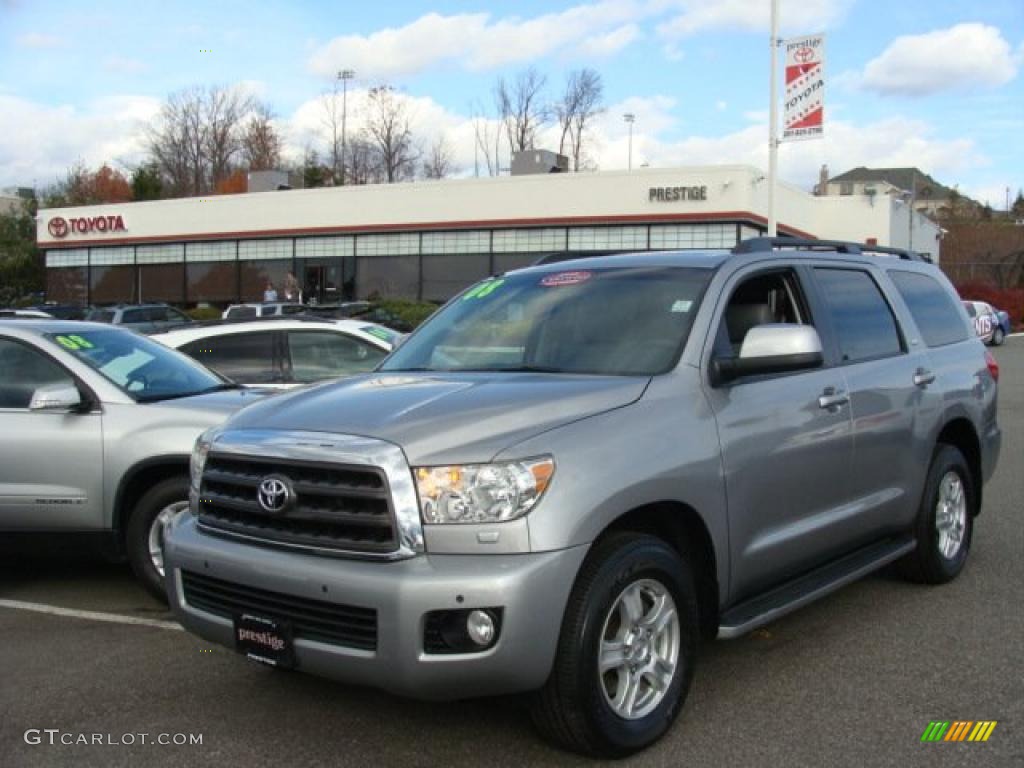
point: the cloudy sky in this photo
(932, 83)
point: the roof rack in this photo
(756, 244)
(303, 318)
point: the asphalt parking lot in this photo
(852, 680)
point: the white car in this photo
(284, 352)
(253, 310)
(25, 313)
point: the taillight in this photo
(993, 366)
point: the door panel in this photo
(51, 463)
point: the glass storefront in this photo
(429, 265)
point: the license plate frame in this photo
(265, 639)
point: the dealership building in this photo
(427, 240)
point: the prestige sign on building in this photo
(803, 114)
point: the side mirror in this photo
(56, 397)
(771, 348)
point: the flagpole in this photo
(773, 121)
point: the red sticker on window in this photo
(565, 278)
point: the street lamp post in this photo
(630, 118)
(344, 75)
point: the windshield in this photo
(618, 321)
(144, 369)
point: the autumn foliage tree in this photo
(82, 186)
(234, 184)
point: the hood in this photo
(224, 402)
(444, 417)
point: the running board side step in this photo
(788, 597)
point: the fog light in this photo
(480, 627)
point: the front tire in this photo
(945, 520)
(627, 650)
(144, 534)
(998, 337)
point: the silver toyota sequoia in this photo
(573, 472)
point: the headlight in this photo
(482, 493)
(198, 460)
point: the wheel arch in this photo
(958, 431)
(684, 530)
(139, 479)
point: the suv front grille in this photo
(344, 625)
(332, 506)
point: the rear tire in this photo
(626, 652)
(144, 534)
(998, 337)
(945, 520)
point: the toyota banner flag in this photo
(804, 110)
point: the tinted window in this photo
(617, 321)
(135, 316)
(244, 311)
(860, 315)
(22, 371)
(934, 311)
(319, 355)
(248, 358)
(101, 316)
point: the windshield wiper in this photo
(160, 396)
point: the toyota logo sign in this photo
(275, 494)
(58, 226)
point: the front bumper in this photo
(532, 590)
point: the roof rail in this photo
(756, 244)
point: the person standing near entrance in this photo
(291, 288)
(270, 293)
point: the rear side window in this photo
(861, 317)
(237, 312)
(320, 355)
(135, 316)
(934, 311)
(247, 358)
(101, 316)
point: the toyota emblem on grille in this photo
(275, 494)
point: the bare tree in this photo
(576, 110)
(485, 142)
(224, 110)
(440, 161)
(331, 119)
(520, 106)
(387, 125)
(261, 143)
(362, 162)
(196, 137)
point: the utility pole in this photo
(913, 202)
(344, 75)
(630, 118)
(773, 120)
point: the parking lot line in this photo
(113, 618)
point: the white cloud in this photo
(478, 42)
(672, 52)
(39, 142)
(963, 56)
(694, 16)
(39, 40)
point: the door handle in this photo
(923, 377)
(833, 398)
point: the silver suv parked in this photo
(572, 472)
(98, 424)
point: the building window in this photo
(67, 285)
(109, 285)
(388, 245)
(212, 281)
(255, 275)
(746, 233)
(478, 241)
(161, 282)
(224, 251)
(607, 238)
(324, 247)
(73, 257)
(160, 254)
(672, 236)
(112, 256)
(446, 275)
(265, 249)
(529, 240)
(388, 276)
